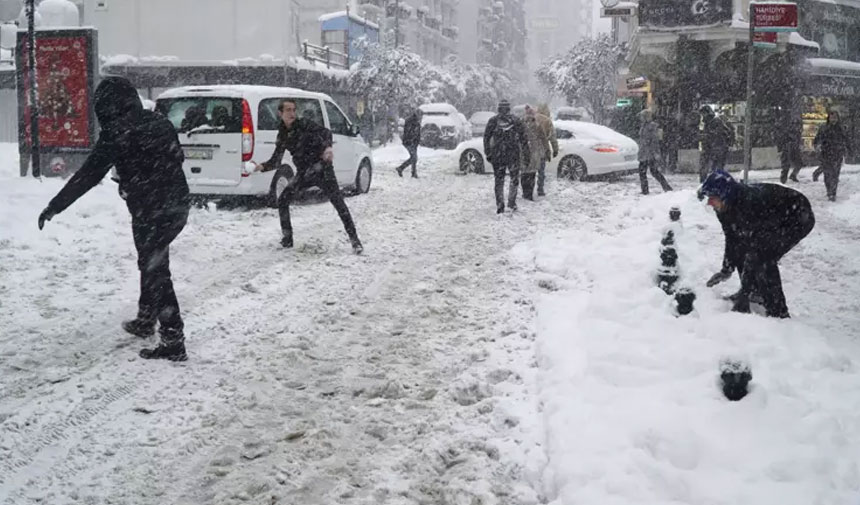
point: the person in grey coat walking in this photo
(649, 151)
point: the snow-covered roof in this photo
(798, 40)
(262, 60)
(834, 64)
(340, 14)
(439, 107)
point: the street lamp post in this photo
(34, 104)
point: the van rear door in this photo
(210, 132)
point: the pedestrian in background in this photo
(545, 121)
(539, 151)
(788, 138)
(717, 137)
(832, 144)
(505, 145)
(649, 152)
(411, 139)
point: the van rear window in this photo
(203, 114)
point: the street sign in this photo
(617, 12)
(766, 40)
(774, 17)
(636, 82)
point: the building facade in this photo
(694, 57)
(502, 36)
(429, 28)
(554, 26)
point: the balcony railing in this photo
(327, 55)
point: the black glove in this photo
(555, 153)
(722, 275)
(46, 215)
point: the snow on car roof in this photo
(439, 107)
(589, 130)
(239, 90)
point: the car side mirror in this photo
(354, 130)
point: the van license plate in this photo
(198, 154)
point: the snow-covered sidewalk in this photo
(464, 358)
(631, 405)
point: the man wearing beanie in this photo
(761, 223)
(506, 146)
(145, 149)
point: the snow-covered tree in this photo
(397, 79)
(586, 74)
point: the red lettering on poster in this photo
(61, 76)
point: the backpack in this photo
(505, 136)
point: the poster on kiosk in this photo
(66, 76)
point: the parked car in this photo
(584, 150)
(443, 126)
(572, 114)
(222, 128)
(479, 122)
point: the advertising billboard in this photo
(66, 73)
(657, 14)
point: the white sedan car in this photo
(584, 149)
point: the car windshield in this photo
(203, 114)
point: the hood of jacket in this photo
(115, 97)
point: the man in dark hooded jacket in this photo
(761, 223)
(310, 146)
(506, 147)
(411, 139)
(144, 148)
(833, 144)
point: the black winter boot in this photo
(742, 304)
(287, 242)
(139, 328)
(174, 351)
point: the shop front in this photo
(828, 92)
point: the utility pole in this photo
(34, 105)
(396, 23)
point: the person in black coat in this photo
(311, 148)
(145, 149)
(833, 144)
(506, 146)
(761, 223)
(717, 137)
(788, 140)
(411, 139)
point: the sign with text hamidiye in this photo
(657, 14)
(774, 17)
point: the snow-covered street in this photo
(466, 358)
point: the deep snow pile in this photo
(631, 405)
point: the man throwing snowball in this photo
(311, 148)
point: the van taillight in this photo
(247, 132)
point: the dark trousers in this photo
(499, 173)
(413, 160)
(711, 162)
(152, 238)
(789, 157)
(541, 177)
(759, 268)
(830, 169)
(322, 176)
(644, 167)
(528, 182)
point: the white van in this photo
(222, 128)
